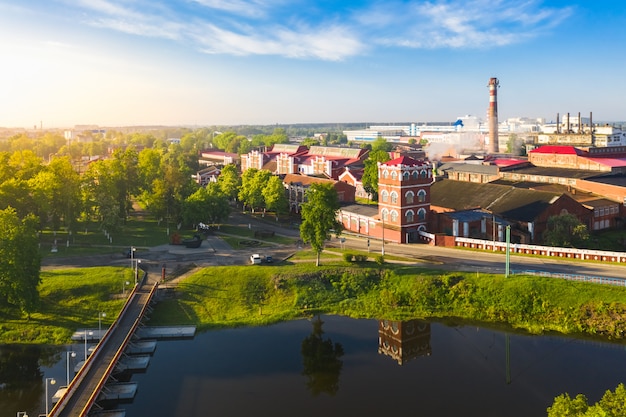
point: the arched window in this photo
(421, 214)
(385, 174)
(409, 197)
(384, 196)
(421, 196)
(385, 214)
(415, 175)
(394, 197)
(409, 216)
(394, 216)
(405, 176)
(394, 175)
(423, 173)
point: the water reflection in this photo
(320, 359)
(21, 377)
(404, 340)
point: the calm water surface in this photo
(353, 368)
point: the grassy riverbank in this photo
(258, 295)
(252, 295)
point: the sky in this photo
(230, 62)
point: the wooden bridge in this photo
(83, 391)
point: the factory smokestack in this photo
(493, 115)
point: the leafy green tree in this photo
(565, 230)
(275, 196)
(206, 205)
(370, 173)
(21, 262)
(253, 181)
(319, 216)
(612, 404)
(229, 181)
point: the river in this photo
(339, 367)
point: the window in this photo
(384, 196)
(421, 214)
(423, 173)
(409, 197)
(394, 197)
(394, 175)
(409, 216)
(385, 214)
(394, 216)
(405, 176)
(415, 175)
(385, 174)
(421, 196)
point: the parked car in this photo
(269, 260)
(255, 258)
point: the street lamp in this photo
(132, 261)
(124, 284)
(100, 315)
(137, 262)
(73, 355)
(90, 333)
(52, 381)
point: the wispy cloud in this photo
(468, 24)
(297, 29)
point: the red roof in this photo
(561, 150)
(404, 160)
(503, 162)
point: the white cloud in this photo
(463, 24)
(275, 27)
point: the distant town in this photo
(463, 178)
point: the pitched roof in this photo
(404, 160)
(305, 179)
(513, 203)
(558, 149)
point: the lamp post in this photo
(90, 333)
(382, 251)
(137, 262)
(124, 284)
(132, 262)
(52, 381)
(73, 355)
(100, 315)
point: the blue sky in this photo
(205, 62)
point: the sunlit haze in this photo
(205, 62)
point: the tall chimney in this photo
(493, 115)
(567, 125)
(558, 126)
(580, 124)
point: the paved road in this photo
(214, 251)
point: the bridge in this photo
(83, 391)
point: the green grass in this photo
(233, 296)
(70, 299)
(90, 240)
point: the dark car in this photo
(268, 260)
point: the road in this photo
(214, 251)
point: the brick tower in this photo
(404, 197)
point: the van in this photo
(255, 259)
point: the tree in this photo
(275, 197)
(370, 173)
(319, 216)
(21, 262)
(612, 404)
(253, 181)
(206, 205)
(229, 181)
(565, 230)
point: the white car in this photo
(255, 258)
